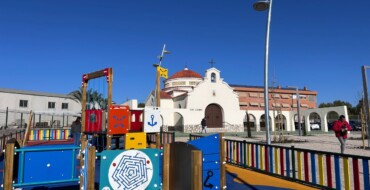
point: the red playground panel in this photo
(136, 120)
(93, 121)
(119, 120)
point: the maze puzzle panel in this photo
(130, 170)
(152, 120)
(119, 120)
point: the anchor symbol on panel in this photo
(152, 123)
(209, 175)
(118, 119)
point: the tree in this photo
(94, 98)
(351, 110)
(141, 105)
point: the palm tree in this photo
(93, 98)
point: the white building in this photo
(48, 107)
(187, 97)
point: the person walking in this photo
(341, 128)
(204, 125)
(76, 131)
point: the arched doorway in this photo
(315, 121)
(303, 121)
(262, 123)
(280, 122)
(330, 118)
(178, 119)
(214, 116)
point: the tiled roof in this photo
(186, 73)
(164, 95)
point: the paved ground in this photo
(323, 141)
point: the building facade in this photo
(57, 110)
(187, 97)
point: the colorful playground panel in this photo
(93, 121)
(47, 164)
(152, 119)
(119, 120)
(210, 147)
(130, 169)
(46, 134)
(136, 120)
(135, 140)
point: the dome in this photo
(186, 73)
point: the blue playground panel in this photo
(130, 169)
(210, 147)
(47, 164)
(231, 184)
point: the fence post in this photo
(21, 120)
(190, 137)
(245, 153)
(293, 162)
(6, 118)
(8, 166)
(52, 121)
(63, 121)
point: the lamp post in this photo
(261, 6)
(366, 101)
(298, 108)
(158, 77)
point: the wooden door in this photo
(214, 116)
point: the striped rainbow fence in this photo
(322, 169)
(48, 134)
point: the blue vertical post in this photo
(271, 161)
(313, 167)
(287, 162)
(337, 172)
(365, 165)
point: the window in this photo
(23, 103)
(64, 106)
(311, 98)
(213, 77)
(51, 105)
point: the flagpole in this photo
(158, 77)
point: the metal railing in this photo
(322, 169)
(19, 135)
(164, 138)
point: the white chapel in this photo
(187, 97)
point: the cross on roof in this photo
(212, 62)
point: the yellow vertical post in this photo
(248, 155)
(26, 134)
(158, 88)
(276, 160)
(299, 162)
(347, 182)
(234, 151)
(321, 169)
(262, 156)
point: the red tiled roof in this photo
(164, 95)
(186, 74)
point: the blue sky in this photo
(47, 45)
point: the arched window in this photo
(213, 77)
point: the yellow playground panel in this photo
(135, 140)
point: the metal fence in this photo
(164, 138)
(10, 118)
(322, 169)
(19, 135)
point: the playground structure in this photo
(131, 166)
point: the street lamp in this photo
(298, 108)
(261, 6)
(157, 86)
(366, 101)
